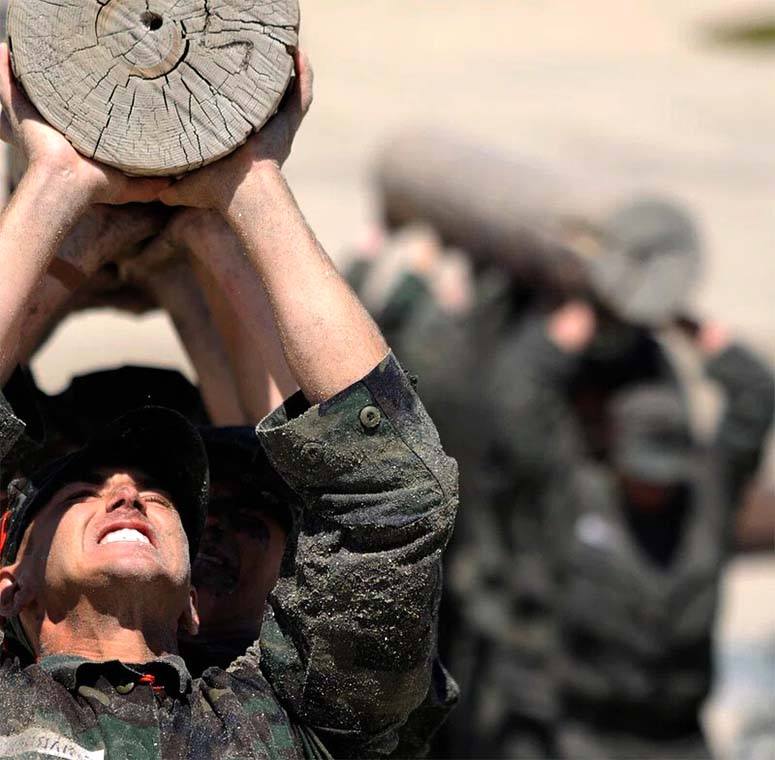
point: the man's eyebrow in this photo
(144, 480)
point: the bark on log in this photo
(154, 87)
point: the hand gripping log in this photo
(154, 87)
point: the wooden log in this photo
(154, 87)
(500, 211)
(558, 232)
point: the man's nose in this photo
(125, 496)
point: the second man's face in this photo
(239, 559)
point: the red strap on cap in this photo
(4, 520)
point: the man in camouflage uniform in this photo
(637, 540)
(95, 582)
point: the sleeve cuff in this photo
(345, 442)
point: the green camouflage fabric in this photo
(349, 658)
(277, 651)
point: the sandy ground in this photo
(622, 89)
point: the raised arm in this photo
(57, 188)
(164, 270)
(358, 612)
(749, 391)
(99, 236)
(328, 338)
(240, 310)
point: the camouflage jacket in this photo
(350, 659)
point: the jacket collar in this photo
(170, 671)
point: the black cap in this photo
(93, 400)
(237, 457)
(158, 441)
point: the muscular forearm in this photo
(244, 320)
(32, 228)
(75, 263)
(256, 389)
(328, 338)
(103, 233)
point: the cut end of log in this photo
(155, 87)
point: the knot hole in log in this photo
(152, 20)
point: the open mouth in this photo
(125, 536)
(125, 533)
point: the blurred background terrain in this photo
(673, 96)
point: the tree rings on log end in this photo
(154, 87)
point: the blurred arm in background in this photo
(749, 396)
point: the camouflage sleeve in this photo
(750, 404)
(416, 734)
(361, 604)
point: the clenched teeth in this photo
(127, 535)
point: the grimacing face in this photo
(110, 530)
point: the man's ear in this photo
(15, 595)
(189, 620)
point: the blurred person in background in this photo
(634, 543)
